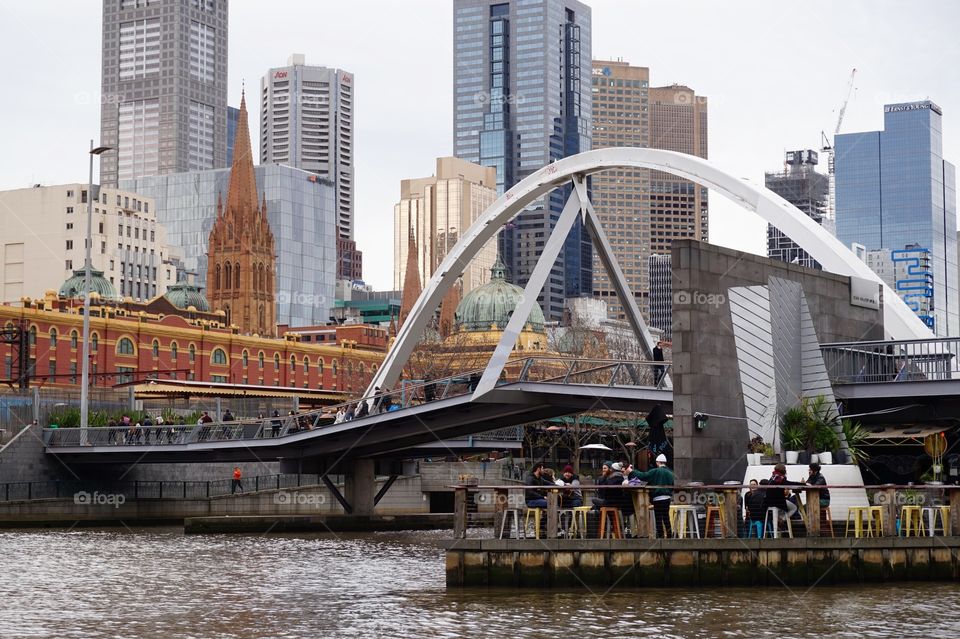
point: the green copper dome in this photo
(186, 295)
(491, 305)
(73, 287)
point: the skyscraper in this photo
(895, 191)
(164, 86)
(306, 121)
(801, 185)
(437, 211)
(521, 101)
(233, 115)
(643, 211)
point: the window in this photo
(293, 363)
(155, 349)
(94, 342)
(69, 210)
(246, 359)
(193, 353)
(276, 361)
(173, 351)
(73, 372)
(306, 365)
(236, 269)
(125, 346)
(260, 360)
(69, 245)
(219, 356)
(74, 336)
(124, 374)
(69, 226)
(334, 367)
(320, 365)
(69, 265)
(52, 370)
(53, 338)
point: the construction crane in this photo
(828, 149)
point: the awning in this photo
(901, 435)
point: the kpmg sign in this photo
(864, 293)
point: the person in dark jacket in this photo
(754, 505)
(611, 474)
(778, 498)
(571, 497)
(536, 498)
(816, 478)
(661, 496)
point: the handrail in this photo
(15, 437)
(713, 487)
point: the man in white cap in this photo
(662, 479)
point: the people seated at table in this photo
(536, 498)
(778, 498)
(570, 497)
(753, 503)
(816, 478)
(611, 474)
(661, 496)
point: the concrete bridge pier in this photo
(360, 486)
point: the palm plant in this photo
(856, 436)
(793, 427)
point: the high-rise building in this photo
(678, 207)
(621, 198)
(660, 276)
(800, 184)
(164, 86)
(521, 101)
(306, 121)
(241, 260)
(643, 211)
(233, 115)
(437, 211)
(300, 210)
(895, 191)
(44, 233)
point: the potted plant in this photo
(754, 450)
(856, 436)
(826, 441)
(792, 432)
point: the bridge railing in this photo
(548, 370)
(892, 361)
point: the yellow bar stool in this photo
(856, 516)
(579, 526)
(536, 512)
(875, 517)
(911, 521)
(614, 515)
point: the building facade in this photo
(894, 190)
(521, 101)
(437, 211)
(241, 260)
(306, 121)
(128, 345)
(661, 294)
(164, 87)
(300, 210)
(233, 115)
(800, 184)
(44, 233)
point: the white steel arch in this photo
(899, 321)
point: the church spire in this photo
(411, 281)
(242, 194)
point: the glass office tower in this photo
(522, 100)
(302, 214)
(895, 191)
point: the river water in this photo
(152, 582)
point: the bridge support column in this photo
(360, 486)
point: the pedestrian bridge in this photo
(419, 417)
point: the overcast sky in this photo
(775, 74)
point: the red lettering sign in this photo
(279, 74)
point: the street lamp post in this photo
(85, 364)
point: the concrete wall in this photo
(23, 459)
(705, 375)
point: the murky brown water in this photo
(160, 583)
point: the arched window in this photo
(363, 369)
(173, 351)
(32, 337)
(193, 353)
(334, 367)
(226, 314)
(236, 275)
(53, 338)
(219, 356)
(94, 342)
(155, 349)
(349, 367)
(262, 315)
(125, 346)
(374, 368)
(216, 285)
(306, 365)
(276, 361)
(260, 359)
(246, 359)
(320, 365)
(228, 276)
(293, 363)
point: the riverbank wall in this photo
(686, 563)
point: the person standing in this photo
(662, 479)
(658, 369)
(236, 483)
(753, 503)
(275, 424)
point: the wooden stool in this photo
(714, 516)
(614, 514)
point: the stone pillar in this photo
(359, 486)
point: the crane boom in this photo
(843, 109)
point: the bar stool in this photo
(715, 516)
(911, 520)
(521, 533)
(930, 515)
(856, 516)
(826, 518)
(680, 517)
(614, 521)
(579, 525)
(875, 516)
(773, 516)
(565, 516)
(536, 512)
